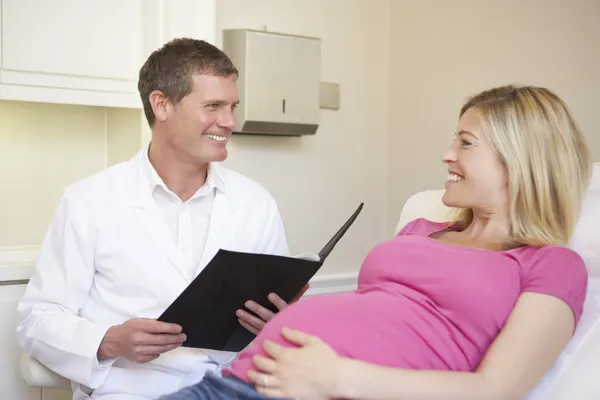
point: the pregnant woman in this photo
(472, 309)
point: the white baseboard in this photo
(18, 263)
(333, 283)
(18, 254)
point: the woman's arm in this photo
(538, 329)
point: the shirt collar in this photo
(214, 178)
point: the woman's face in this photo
(477, 178)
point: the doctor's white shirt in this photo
(120, 246)
(187, 221)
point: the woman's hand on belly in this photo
(305, 372)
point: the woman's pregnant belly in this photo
(373, 326)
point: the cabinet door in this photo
(11, 383)
(189, 18)
(74, 44)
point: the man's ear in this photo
(161, 105)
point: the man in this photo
(125, 242)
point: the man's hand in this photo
(255, 323)
(140, 340)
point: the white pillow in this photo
(586, 242)
(586, 239)
(568, 374)
(595, 183)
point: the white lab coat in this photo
(108, 257)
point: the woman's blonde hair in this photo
(546, 156)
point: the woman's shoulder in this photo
(551, 261)
(556, 271)
(552, 255)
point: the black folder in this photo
(206, 308)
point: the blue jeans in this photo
(213, 387)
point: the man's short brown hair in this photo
(170, 69)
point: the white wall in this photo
(319, 180)
(404, 68)
(43, 147)
(444, 51)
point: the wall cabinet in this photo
(72, 45)
(89, 52)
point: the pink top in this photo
(424, 304)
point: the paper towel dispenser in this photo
(279, 81)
